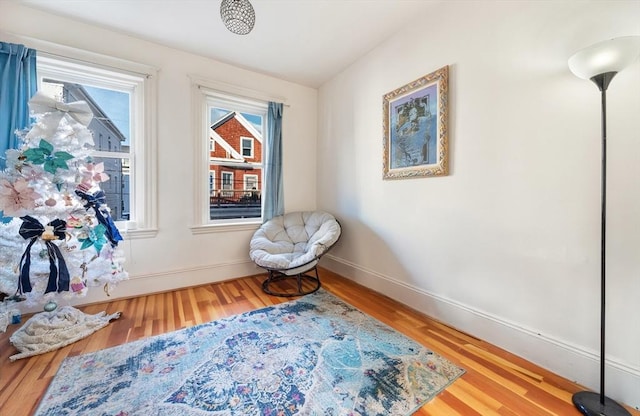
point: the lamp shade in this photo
(607, 56)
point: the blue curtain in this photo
(273, 195)
(18, 83)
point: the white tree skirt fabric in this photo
(48, 331)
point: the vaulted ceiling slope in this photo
(302, 41)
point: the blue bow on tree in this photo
(58, 274)
(95, 201)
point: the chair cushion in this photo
(292, 243)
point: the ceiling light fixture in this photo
(238, 16)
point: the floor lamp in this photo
(600, 63)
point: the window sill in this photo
(138, 234)
(219, 228)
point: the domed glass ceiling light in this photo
(600, 63)
(238, 16)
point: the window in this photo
(212, 182)
(111, 117)
(250, 182)
(227, 184)
(123, 103)
(235, 126)
(247, 147)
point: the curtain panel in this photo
(274, 196)
(18, 82)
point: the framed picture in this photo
(415, 128)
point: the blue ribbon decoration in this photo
(95, 201)
(3, 219)
(58, 275)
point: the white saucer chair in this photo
(289, 247)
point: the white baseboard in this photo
(568, 360)
(139, 285)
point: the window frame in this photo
(212, 182)
(225, 174)
(244, 182)
(251, 147)
(71, 65)
(203, 91)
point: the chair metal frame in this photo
(278, 275)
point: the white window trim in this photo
(60, 60)
(201, 88)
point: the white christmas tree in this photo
(57, 237)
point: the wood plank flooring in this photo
(496, 382)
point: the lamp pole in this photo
(602, 81)
(589, 403)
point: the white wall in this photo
(507, 246)
(176, 257)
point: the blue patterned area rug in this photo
(313, 356)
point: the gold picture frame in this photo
(415, 118)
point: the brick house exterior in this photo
(235, 169)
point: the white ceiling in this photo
(303, 41)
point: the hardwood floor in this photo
(496, 382)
